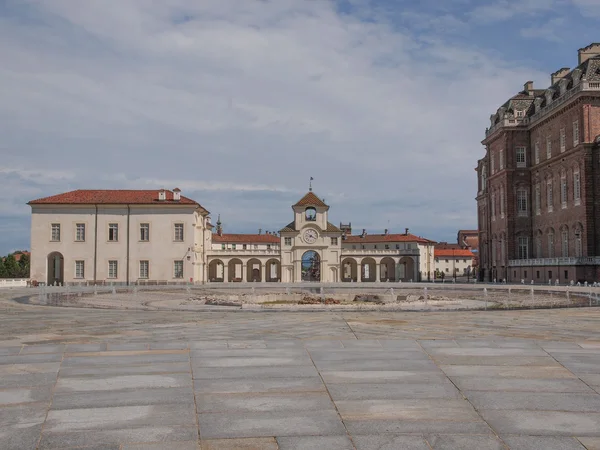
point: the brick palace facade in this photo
(538, 196)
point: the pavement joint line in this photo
(194, 394)
(464, 397)
(330, 398)
(50, 402)
(574, 374)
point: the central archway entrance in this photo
(311, 266)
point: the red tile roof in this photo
(453, 253)
(310, 199)
(331, 228)
(246, 238)
(19, 255)
(375, 238)
(112, 196)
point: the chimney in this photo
(364, 233)
(260, 231)
(559, 75)
(176, 194)
(162, 195)
(385, 232)
(406, 231)
(528, 88)
(588, 52)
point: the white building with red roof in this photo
(160, 236)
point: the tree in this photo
(11, 267)
(24, 266)
(2, 269)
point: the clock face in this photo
(310, 236)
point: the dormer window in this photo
(162, 195)
(310, 214)
(520, 113)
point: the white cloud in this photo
(588, 8)
(550, 31)
(502, 10)
(225, 97)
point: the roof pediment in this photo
(310, 199)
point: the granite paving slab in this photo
(521, 384)
(123, 397)
(544, 401)
(390, 442)
(542, 443)
(265, 424)
(590, 443)
(244, 385)
(303, 401)
(548, 423)
(315, 442)
(239, 444)
(374, 391)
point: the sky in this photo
(238, 103)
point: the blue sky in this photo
(239, 103)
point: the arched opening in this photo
(367, 269)
(349, 270)
(311, 266)
(387, 271)
(406, 269)
(216, 271)
(254, 270)
(56, 268)
(234, 267)
(273, 269)
(310, 214)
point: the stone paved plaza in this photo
(114, 379)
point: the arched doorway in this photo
(311, 266)
(406, 269)
(273, 270)
(349, 270)
(216, 271)
(56, 268)
(387, 270)
(367, 271)
(254, 270)
(234, 267)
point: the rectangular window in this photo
(566, 274)
(178, 269)
(80, 232)
(520, 113)
(113, 232)
(492, 163)
(523, 245)
(575, 133)
(79, 269)
(502, 202)
(501, 156)
(397, 246)
(334, 241)
(113, 267)
(578, 247)
(144, 232)
(144, 269)
(576, 188)
(179, 232)
(563, 192)
(55, 232)
(375, 246)
(521, 159)
(493, 206)
(563, 140)
(548, 147)
(538, 200)
(521, 202)
(233, 246)
(565, 243)
(549, 199)
(255, 246)
(223, 247)
(268, 246)
(387, 247)
(537, 152)
(288, 241)
(538, 247)
(244, 246)
(551, 245)
(549, 274)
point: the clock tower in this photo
(310, 245)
